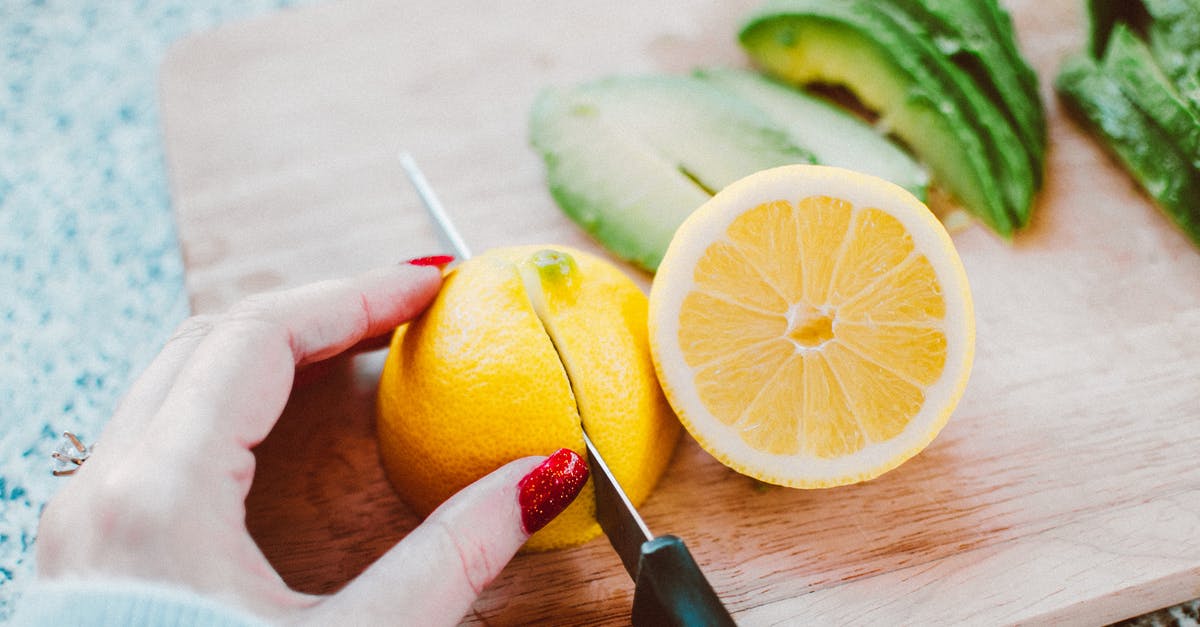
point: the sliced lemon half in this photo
(812, 326)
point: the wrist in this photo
(122, 602)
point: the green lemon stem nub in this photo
(557, 270)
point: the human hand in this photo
(162, 498)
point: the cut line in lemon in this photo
(812, 326)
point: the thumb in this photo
(434, 575)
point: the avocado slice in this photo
(1129, 62)
(1146, 151)
(1002, 24)
(931, 105)
(833, 135)
(1014, 167)
(976, 36)
(628, 158)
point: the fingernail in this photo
(548, 489)
(441, 261)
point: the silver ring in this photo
(70, 455)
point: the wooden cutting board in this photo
(1066, 486)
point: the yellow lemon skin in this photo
(481, 379)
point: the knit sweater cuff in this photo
(126, 603)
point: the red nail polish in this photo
(441, 261)
(548, 489)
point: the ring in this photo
(70, 455)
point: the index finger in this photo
(238, 379)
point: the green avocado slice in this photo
(1129, 62)
(629, 158)
(834, 136)
(976, 36)
(1147, 153)
(932, 106)
(1014, 167)
(1002, 24)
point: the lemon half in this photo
(521, 347)
(812, 326)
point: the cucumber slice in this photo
(628, 158)
(1146, 152)
(1172, 28)
(1129, 62)
(1175, 41)
(832, 135)
(1103, 15)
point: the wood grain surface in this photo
(1065, 488)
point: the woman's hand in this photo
(162, 498)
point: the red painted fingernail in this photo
(548, 489)
(440, 261)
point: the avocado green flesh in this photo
(806, 42)
(1147, 153)
(834, 136)
(973, 37)
(1129, 62)
(1014, 166)
(1002, 25)
(629, 158)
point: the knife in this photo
(669, 588)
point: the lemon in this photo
(812, 326)
(522, 346)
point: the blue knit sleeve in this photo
(124, 604)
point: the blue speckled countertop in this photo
(91, 280)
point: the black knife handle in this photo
(671, 590)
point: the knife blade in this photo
(669, 587)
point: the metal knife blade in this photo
(446, 229)
(669, 587)
(626, 530)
